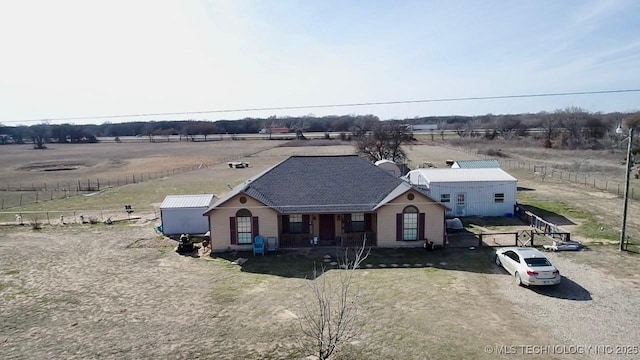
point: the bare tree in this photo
(385, 142)
(330, 315)
(572, 120)
(551, 126)
(633, 121)
(41, 133)
(507, 126)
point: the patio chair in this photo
(258, 245)
(272, 244)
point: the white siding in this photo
(479, 197)
(184, 221)
(479, 187)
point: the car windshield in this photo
(533, 262)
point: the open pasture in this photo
(90, 291)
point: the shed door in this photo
(461, 203)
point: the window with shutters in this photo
(295, 224)
(410, 223)
(445, 198)
(243, 225)
(357, 222)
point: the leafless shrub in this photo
(35, 223)
(494, 152)
(330, 315)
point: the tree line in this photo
(569, 128)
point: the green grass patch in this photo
(12, 272)
(590, 226)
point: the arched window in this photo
(410, 223)
(243, 226)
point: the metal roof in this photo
(432, 175)
(471, 164)
(186, 201)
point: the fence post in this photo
(48, 221)
(36, 196)
(516, 239)
(480, 240)
(20, 199)
(51, 195)
(2, 203)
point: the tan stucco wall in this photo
(434, 221)
(219, 222)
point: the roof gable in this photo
(308, 184)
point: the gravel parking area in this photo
(589, 308)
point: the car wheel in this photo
(518, 280)
(498, 263)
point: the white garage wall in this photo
(184, 221)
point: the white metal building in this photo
(182, 214)
(469, 192)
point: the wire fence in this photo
(64, 217)
(546, 172)
(21, 194)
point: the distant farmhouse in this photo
(423, 127)
(6, 139)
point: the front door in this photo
(461, 204)
(327, 229)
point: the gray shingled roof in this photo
(315, 184)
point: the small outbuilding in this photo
(475, 164)
(182, 214)
(468, 192)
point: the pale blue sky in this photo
(90, 58)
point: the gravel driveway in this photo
(589, 308)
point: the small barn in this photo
(468, 192)
(182, 214)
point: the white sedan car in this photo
(528, 265)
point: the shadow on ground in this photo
(300, 263)
(567, 290)
(550, 216)
(522, 188)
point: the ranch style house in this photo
(307, 201)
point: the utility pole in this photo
(626, 192)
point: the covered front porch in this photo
(330, 229)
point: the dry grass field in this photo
(120, 291)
